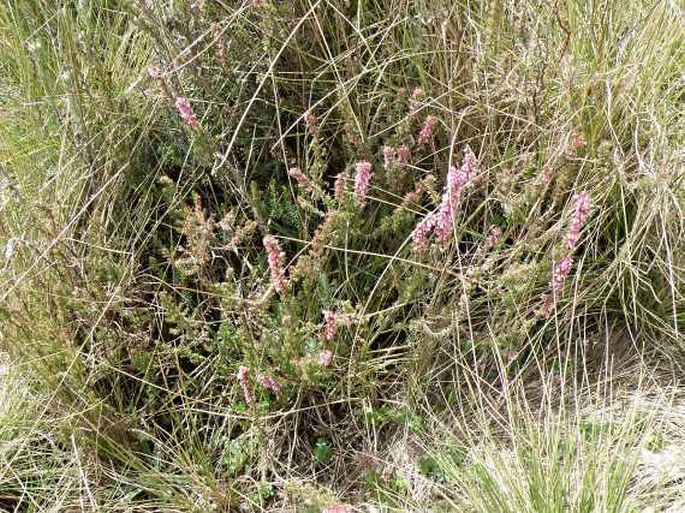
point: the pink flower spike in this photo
(275, 259)
(362, 180)
(468, 165)
(426, 133)
(443, 219)
(331, 322)
(154, 72)
(416, 100)
(388, 156)
(347, 319)
(339, 186)
(325, 358)
(577, 141)
(580, 213)
(186, 111)
(410, 197)
(403, 155)
(243, 379)
(456, 181)
(300, 177)
(339, 508)
(422, 231)
(560, 273)
(268, 383)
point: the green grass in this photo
(134, 283)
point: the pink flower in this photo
(416, 100)
(456, 181)
(547, 174)
(443, 219)
(186, 111)
(331, 320)
(325, 357)
(275, 259)
(577, 142)
(410, 197)
(339, 186)
(580, 213)
(300, 177)
(220, 41)
(427, 130)
(563, 268)
(450, 199)
(347, 319)
(403, 155)
(362, 180)
(244, 380)
(338, 508)
(388, 156)
(154, 72)
(560, 273)
(268, 383)
(422, 231)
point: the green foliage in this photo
(323, 452)
(135, 280)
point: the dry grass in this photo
(135, 284)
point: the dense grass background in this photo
(135, 285)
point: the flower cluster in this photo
(244, 381)
(220, 41)
(362, 179)
(442, 221)
(300, 178)
(422, 231)
(325, 358)
(339, 185)
(186, 111)
(427, 130)
(456, 181)
(322, 233)
(563, 268)
(403, 155)
(338, 508)
(493, 238)
(388, 156)
(331, 319)
(560, 273)
(268, 383)
(395, 156)
(577, 142)
(182, 104)
(416, 100)
(421, 187)
(154, 72)
(275, 259)
(581, 210)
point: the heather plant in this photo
(250, 245)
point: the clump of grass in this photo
(235, 234)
